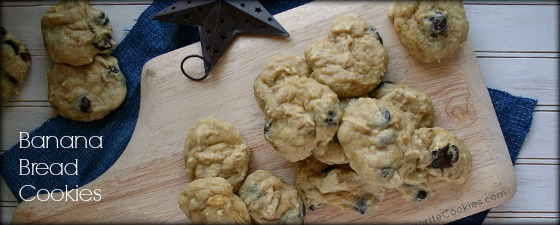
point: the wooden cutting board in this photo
(142, 186)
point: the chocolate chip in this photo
(385, 137)
(439, 24)
(113, 69)
(386, 114)
(386, 171)
(312, 207)
(373, 93)
(104, 44)
(454, 152)
(12, 79)
(85, 104)
(421, 195)
(407, 185)
(374, 31)
(330, 120)
(13, 45)
(444, 157)
(328, 169)
(335, 139)
(303, 212)
(267, 127)
(3, 31)
(102, 19)
(385, 82)
(361, 205)
(25, 56)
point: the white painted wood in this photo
(20, 119)
(500, 2)
(531, 28)
(522, 220)
(542, 140)
(537, 190)
(6, 194)
(6, 214)
(528, 77)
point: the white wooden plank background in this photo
(517, 45)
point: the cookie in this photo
(16, 62)
(211, 201)
(374, 134)
(332, 152)
(435, 158)
(214, 148)
(416, 105)
(300, 114)
(89, 92)
(336, 185)
(74, 32)
(270, 200)
(274, 72)
(430, 30)
(351, 60)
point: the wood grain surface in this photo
(143, 184)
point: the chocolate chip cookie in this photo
(374, 135)
(88, 92)
(300, 114)
(336, 185)
(74, 32)
(416, 105)
(274, 72)
(270, 200)
(214, 148)
(435, 158)
(351, 60)
(212, 201)
(16, 62)
(430, 30)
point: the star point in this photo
(219, 21)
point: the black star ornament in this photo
(219, 21)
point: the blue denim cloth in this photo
(146, 40)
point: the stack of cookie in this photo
(217, 159)
(352, 135)
(85, 82)
(15, 65)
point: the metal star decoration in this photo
(218, 22)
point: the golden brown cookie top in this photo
(417, 106)
(74, 32)
(270, 200)
(299, 115)
(88, 92)
(430, 30)
(351, 60)
(15, 65)
(214, 148)
(274, 72)
(212, 201)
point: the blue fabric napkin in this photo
(146, 40)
